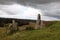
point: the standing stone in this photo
(39, 22)
(12, 27)
(14, 24)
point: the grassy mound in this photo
(50, 33)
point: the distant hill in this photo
(23, 21)
(19, 21)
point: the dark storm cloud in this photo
(28, 1)
(24, 2)
(7, 2)
(48, 7)
(51, 9)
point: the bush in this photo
(29, 28)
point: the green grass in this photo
(49, 33)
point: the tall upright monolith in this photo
(38, 22)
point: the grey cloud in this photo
(48, 7)
(24, 2)
(52, 10)
(7, 2)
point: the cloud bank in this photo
(28, 9)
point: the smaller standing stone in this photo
(10, 29)
(14, 24)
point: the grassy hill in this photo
(52, 32)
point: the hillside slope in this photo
(52, 32)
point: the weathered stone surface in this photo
(12, 27)
(39, 23)
(14, 24)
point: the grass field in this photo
(52, 32)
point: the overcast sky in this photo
(28, 9)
